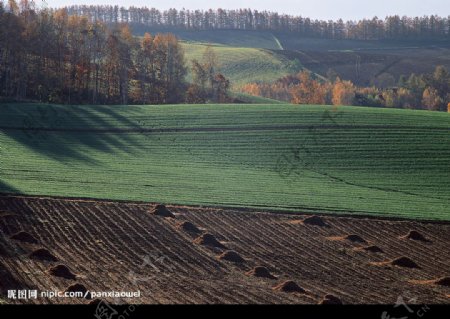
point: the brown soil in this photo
(314, 221)
(404, 262)
(62, 271)
(209, 240)
(261, 272)
(371, 249)
(331, 300)
(189, 274)
(43, 254)
(415, 235)
(232, 256)
(24, 237)
(355, 239)
(351, 238)
(161, 210)
(444, 281)
(189, 227)
(290, 287)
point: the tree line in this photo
(52, 56)
(392, 27)
(425, 91)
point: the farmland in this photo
(241, 64)
(349, 160)
(112, 246)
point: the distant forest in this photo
(89, 55)
(47, 55)
(392, 27)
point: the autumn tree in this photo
(309, 90)
(220, 88)
(210, 65)
(53, 56)
(343, 92)
(431, 99)
(208, 82)
(197, 91)
(170, 68)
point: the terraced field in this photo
(248, 257)
(352, 161)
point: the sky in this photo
(320, 9)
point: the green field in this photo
(243, 65)
(292, 158)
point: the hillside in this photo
(363, 62)
(360, 161)
(242, 64)
(367, 67)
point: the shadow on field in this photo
(6, 188)
(41, 128)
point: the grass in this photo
(243, 65)
(352, 160)
(251, 99)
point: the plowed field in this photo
(122, 246)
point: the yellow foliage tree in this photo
(343, 93)
(431, 99)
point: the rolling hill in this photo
(360, 161)
(241, 64)
(252, 56)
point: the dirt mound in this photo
(189, 227)
(208, 240)
(232, 256)
(62, 271)
(161, 210)
(314, 221)
(355, 239)
(290, 287)
(24, 237)
(371, 249)
(331, 300)
(79, 288)
(415, 235)
(404, 262)
(261, 272)
(43, 254)
(444, 281)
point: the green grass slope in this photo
(243, 65)
(351, 160)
